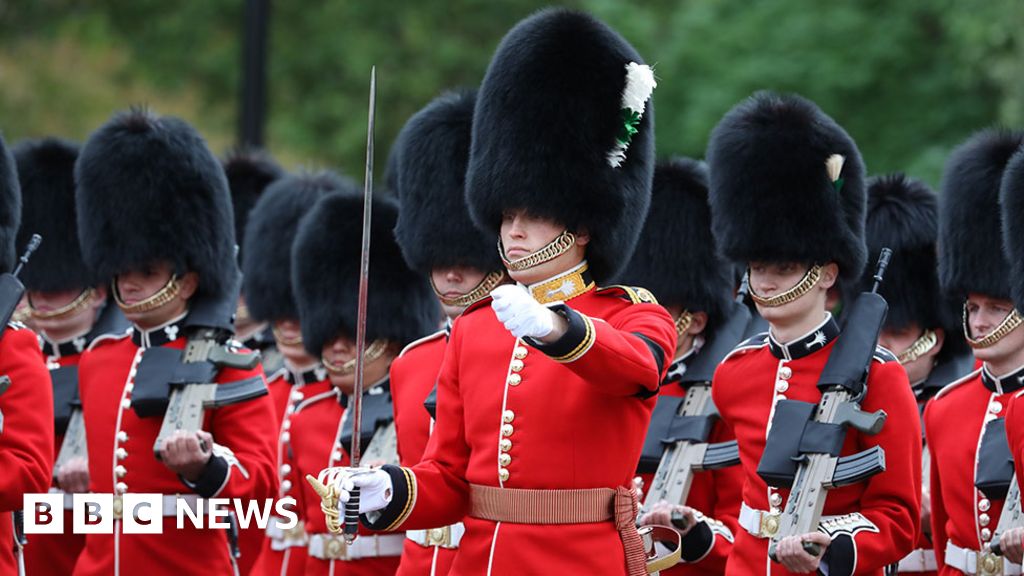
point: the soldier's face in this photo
(343, 349)
(136, 285)
(67, 325)
(455, 282)
(985, 314)
(523, 234)
(769, 279)
(900, 340)
(288, 335)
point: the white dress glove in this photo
(520, 313)
(374, 485)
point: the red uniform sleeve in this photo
(26, 441)
(244, 460)
(623, 356)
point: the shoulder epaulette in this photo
(632, 294)
(485, 301)
(331, 394)
(883, 355)
(957, 383)
(109, 338)
(15, 325)
(424, 340)
(1019, 394)
(755, 342)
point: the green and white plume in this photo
(640, 84)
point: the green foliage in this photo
(908, 80)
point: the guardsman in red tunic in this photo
(547, 387)
(438, 239)
(267, 284)
(154, 216)
(677, 260)
(69, 309)
(971, 468)
(26, 404)
(1011, 198)
(401, 308)
(788, 199)
(922, 328)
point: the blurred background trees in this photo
(908, 79)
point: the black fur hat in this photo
(903, 215)
(325, 275)
(1012, 198)
(971, 257)
(273, 225)
(772, 198)
(249, 172)
(10, 207)
(548, 119)
(434, 228)
(46, 171)
(149, 189)
(676, 257)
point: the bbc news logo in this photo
(145, 513)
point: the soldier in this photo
(547, 387)
(964, 422)
(69, 308)
(154, 216)
(26, 402)
(249, 172)
(401, 309)
(787, 198)
(677, 260)
(267, 274)
(920, 328)
(439, 240)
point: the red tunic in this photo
(120, 447)
(512, 416)
(26, 441)
(316, 425)
(413, 376)
(883, 513)
(287, 556)
(954, 424)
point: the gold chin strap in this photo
(683, 322)
(374, 351)
(920, 347)
(162, 297)
(74, 307)
(1009, 324)
(286, 341)
(560, 245)
(490, 282)
(802, 287)
(242, 314)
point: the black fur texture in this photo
(46, 171)
(434, 228)
(771, 197)
(249, 172)
(325, 275)
(676, 257)
(971, 257)
(267, 249)
(10, 207)
(1012, 198)
(547, 115)
(149, 189)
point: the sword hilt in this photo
(352, 515)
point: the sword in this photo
(352, 507)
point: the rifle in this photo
(11, 291)
(814, 451)
(1011, 517)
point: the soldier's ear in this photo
(940, 339)
(99, 296)
(698, 324)
(582, 236)
(189, 283)
(829, 275)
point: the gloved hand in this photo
(520, 313)
(374, 485)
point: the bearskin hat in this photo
(772, 196)
(676, 257)
(10, 207)
(325, 275)
(249, 172)
(273, 225)
(434, 228)
(46, 171)
(564, 129)
(971, 257)
(149, 189)
(1012, 199)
